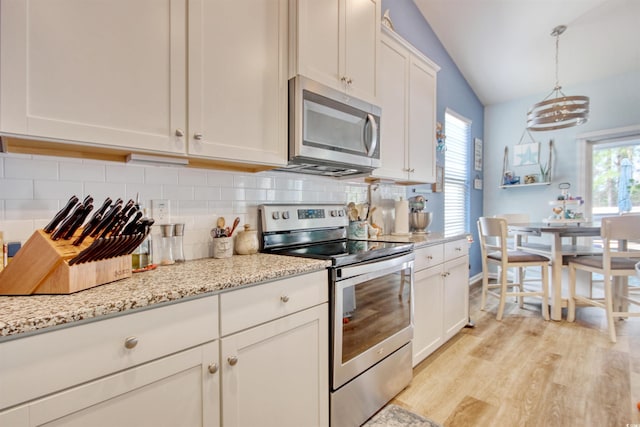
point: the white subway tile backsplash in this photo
(30, 209)
(128, 174)
(220, 179)
(197, 197)
(82, 172)
(160, 175)
(30, 168)
(178, 192)
(16, 189)
(192, 177)
(206, 193)
(101, 190)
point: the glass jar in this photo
(167, 232)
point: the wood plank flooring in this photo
(524, 371)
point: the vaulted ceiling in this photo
(505, 50)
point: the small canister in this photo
(247, 241)
(222, 247)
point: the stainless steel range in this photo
(370, 292)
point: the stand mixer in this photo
(419, 219)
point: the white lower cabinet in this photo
(178, 390)
(441, 295)
(274, 353)
(167, 366)
(276, 374)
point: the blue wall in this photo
(453, 92)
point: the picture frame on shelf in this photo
(526, 154)
(477, 150)
(437, 187)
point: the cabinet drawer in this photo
(456, 249)
(50, 361)
(252, 306)
(428, 257)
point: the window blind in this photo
(456, 187)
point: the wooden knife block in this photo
(41, 266)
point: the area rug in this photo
(396, 416)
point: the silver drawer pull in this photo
(197, 136)
(459, 249)
(213, 368)
(130, 342)
(232, 360)
(284, 298)
(429, 257)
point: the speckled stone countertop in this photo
(420, 240)
(21, 314)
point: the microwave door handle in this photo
(371, 121)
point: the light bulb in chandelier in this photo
(557, 110)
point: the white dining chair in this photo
(492, 233)
(617, 261)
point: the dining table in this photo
(563, 245)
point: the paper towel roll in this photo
(402, 217)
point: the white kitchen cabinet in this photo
(238, 80)
(105, 72)
(441, 295)
(407, 95)
(181, 389)
(335, 42)
(274, 353)
(113, 73)
(123, 370)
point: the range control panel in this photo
(278, 217)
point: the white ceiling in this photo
(505, 51)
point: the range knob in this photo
(275, 215)
(285, 215)
(340, 212)
(333, 213)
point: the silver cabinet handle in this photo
(372, 139)
(459, 249)
(130, 342)
(232, 360)
(179, 132)
(213, 368)
(284, 298)
(429, 257)
(197, 136)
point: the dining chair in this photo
(617, 262)
(493, 234)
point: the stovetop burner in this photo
(319, 231)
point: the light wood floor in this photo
(524, 371)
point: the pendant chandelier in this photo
(558, 111)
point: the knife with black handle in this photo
(78, 222)
(68, 222)
(62, 214)
(107, 218)
(93, 222)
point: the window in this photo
(456, 187)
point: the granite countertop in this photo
(21, 314)
(420, 239)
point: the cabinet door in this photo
(276, 374)
(422, 115)
(362, 34)
(237, 80)
(175, 390)
(107, 72)
(456, 296)
(392, 77)
(428, 312)
(318, 37)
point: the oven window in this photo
(373, 311)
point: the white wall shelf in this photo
(535, 184)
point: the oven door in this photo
(372, 314)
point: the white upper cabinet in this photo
(407, 95)
(238, 80)
(105, 72)
(113, 73)
(335, 42)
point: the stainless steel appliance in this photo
(370, 287)
(419, 220)
(331, 133)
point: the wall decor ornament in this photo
(477, 150)
(440, 138)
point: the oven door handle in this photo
(374, 268)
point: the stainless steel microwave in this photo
(330, 132)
